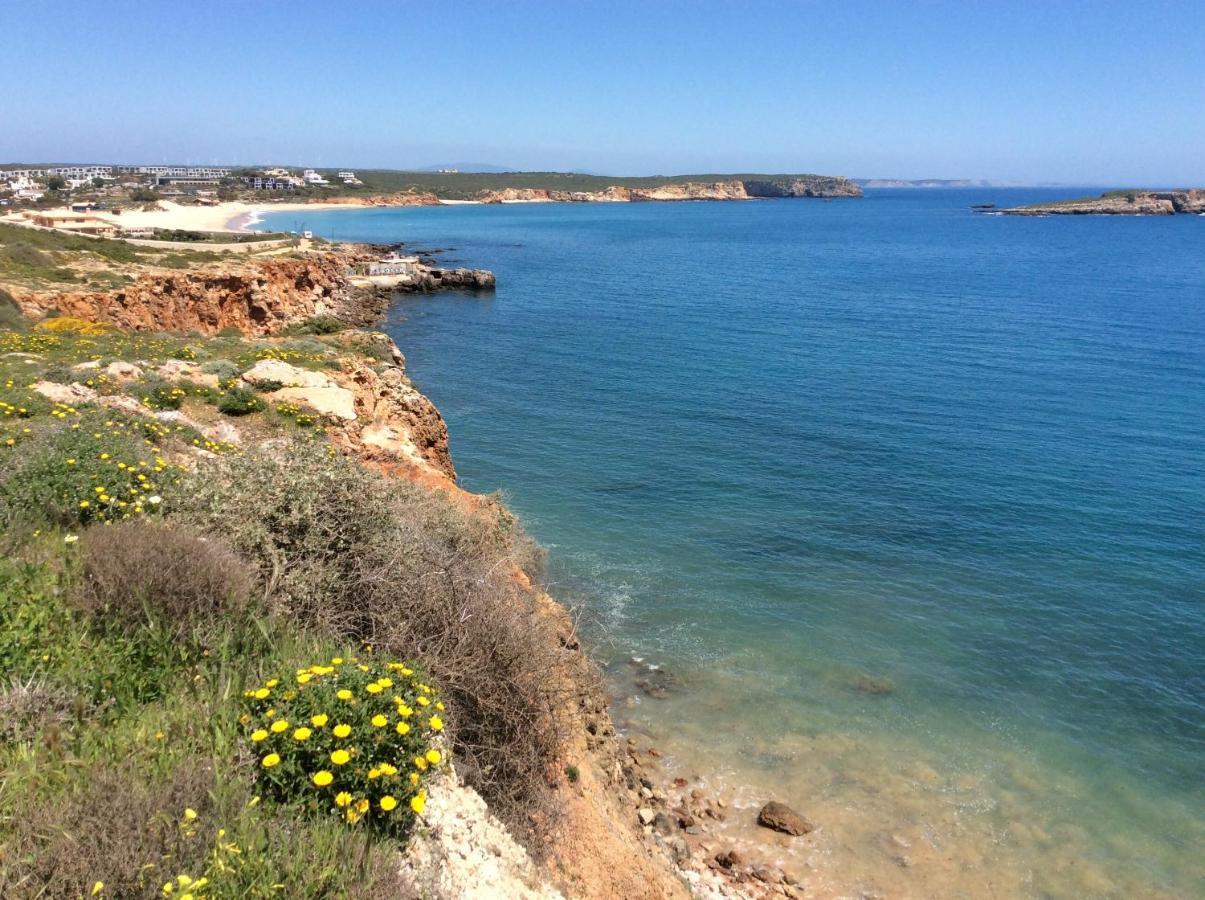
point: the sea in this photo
(882, 508)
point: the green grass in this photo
(121, 752)
(38, 257)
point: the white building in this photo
(312, 177)
(347, 177)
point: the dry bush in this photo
(107, 833)
(131, 834)
(401, 568)
(32, 705)
(181, 578)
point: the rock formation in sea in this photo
(1121, 203)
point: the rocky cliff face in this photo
(257, 297)
(728, 189)
(1121, 203)
(811, 186)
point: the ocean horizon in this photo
(878, 507)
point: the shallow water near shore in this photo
(905, 502)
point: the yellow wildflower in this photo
(319, 720)
(343, 798)
(323, 778)
(344, 694)
(374, 688)
(302, 734)
(388, 803)
(437, 723)
(280, 725)
(258, 735)
(340, 757)
(272, 759)
(402, 728)
(341, 730)
(419, 802)
(379, 721)
(433, 757)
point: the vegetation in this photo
(36, 257)
(164, 727)
(331, 735)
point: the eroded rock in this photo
(780, 817)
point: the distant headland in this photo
(116, 186)
(1188, 201)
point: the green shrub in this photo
(316, 325)
(240, 402)
(100, 471)
(224, 369)
(349, 738)
(393, 564)
(158, 394)
(10, 314)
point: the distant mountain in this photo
(467, 167)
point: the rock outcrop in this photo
(1121, 203)
(810, 186)
(257, 297)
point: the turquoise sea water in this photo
(908, 504)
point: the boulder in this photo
(181, 370)
(123, 371)
(70, 394)
(780, 817)
(273, 370)
(333, 401)
(729, 858)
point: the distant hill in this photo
(471, 167)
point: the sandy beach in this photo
(231, 216)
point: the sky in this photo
(1095, 93)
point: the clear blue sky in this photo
(1082, 92)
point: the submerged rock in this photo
(873, 685)
(780, 817)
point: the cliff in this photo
(256, 297)
(1121, 203)
(355, 384)
(648, 190)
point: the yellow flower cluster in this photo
(71, 325)
(357, 738)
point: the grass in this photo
(145, 589)
(38, 258)
(130, 772)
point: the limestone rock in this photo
(273, 370)
(182, 370)
(123, 372)
(780, 817)
(71, 394)
(337, 402)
